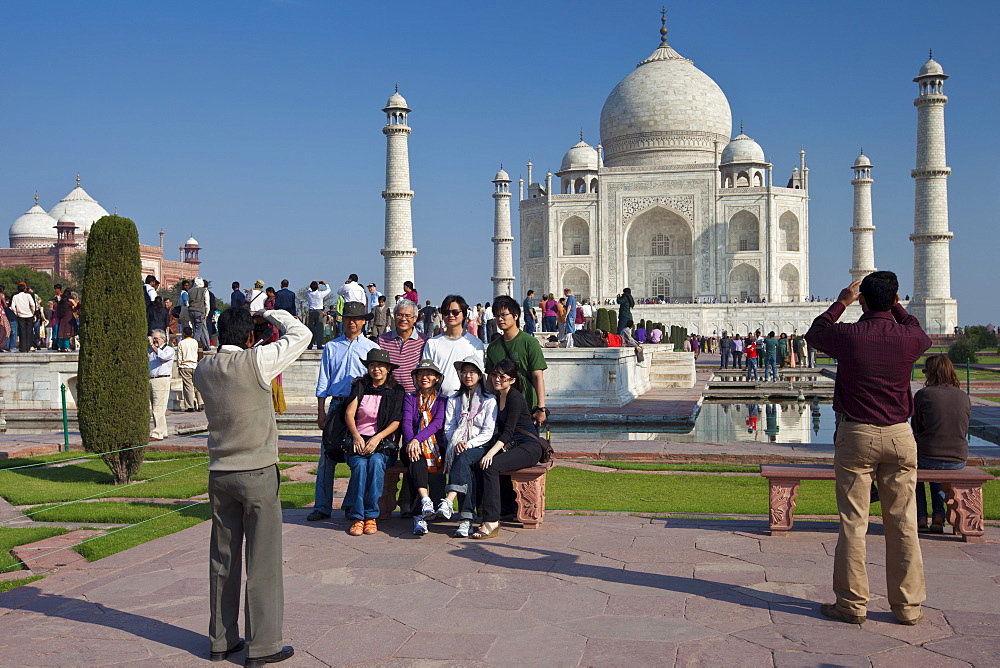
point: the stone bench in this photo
(529, 487)
(963, 490)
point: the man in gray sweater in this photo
(235, 385)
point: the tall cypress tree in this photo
(113, 380)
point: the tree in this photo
(76, 268)
(39, 281)
(962, 351)
(113, 384)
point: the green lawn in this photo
(12, 537)
(76, 481)
(572, 489)
(7, 585)
(695, 468)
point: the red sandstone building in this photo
(47, 241)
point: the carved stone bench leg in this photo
(530, 491)
(782, 502)
(387, 502)
(965, 510)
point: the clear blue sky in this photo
(256, 125)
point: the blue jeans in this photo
(529, 325)
(937, 492)
(724, 362)
(771, 367)
(550, 323)
(323, 494)
(462, 479)
(368, 472)
(751, 368)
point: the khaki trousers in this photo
(159, 397)
(246, 504)
(889, 455)
(192, 398)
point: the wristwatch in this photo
(540, 408)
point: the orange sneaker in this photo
(370, 527)
(357, 528)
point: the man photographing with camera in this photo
(235, 385)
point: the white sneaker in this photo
(444, 509)
(427, 511)
(419, 526)
(463, 529)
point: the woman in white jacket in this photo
(470, 419)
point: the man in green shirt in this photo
(771, 357)
(524, 349)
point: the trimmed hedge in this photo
(113, 384)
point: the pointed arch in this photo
(575, 236)
(744, 283)
(789, 278)
(744, 232)
(578, 281)
(534, 242)
(659, 241)
(788, 232)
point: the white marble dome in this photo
(582, 156)
(80, 207)
(742, 149)
(931, 67)
(502, 176)
(34, 224)
(662, 110)
(396, 101)
(862, 161)
(191, 242)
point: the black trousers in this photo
(522, 455)
(25, 333)
(417, 476)
(315, 324)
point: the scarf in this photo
(429, 446)
(470, 407)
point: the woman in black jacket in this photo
(515, 445)
(372, 415)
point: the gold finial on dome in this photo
(663, 26)
(78, 179)
(36, 198)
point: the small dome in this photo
(191, 242)
(502, 176)
(742, 149)
(81, 207)
(862, 161)
(931, 67)
(397, 101)
(581, 156)
(66, 218)
(34, 224)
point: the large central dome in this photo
(665, 112)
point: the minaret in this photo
(503, 259)
(932, 303)
(399, 250)
(863, 258)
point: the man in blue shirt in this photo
(284, 299)
(771, 357)
(570, 316)
(342, 362)
(238, 299)
(528, 309)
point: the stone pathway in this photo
(583, 590)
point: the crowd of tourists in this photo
(27, 323)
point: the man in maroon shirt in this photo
(873, 402)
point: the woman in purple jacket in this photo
(423, 436)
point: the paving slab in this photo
(602, 590)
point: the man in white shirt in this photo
(454, 344)
(161, 368)
(23, 305)
(352, 291)
(315, 296)
(257, 297)
(187, 362)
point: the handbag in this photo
(334, 433)
(547, 451)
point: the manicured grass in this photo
(12, 537)
(137, 534)
(298, 458)
(76, 481)
(572, 489)
(697, 468)
(149, 456)
(7, 585)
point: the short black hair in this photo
(235, 326)
(531, 292)
(509, 303)
(381, 299)
(508, 367)
(236, 285)
(185, 282)
(57, 286)
(463, 305)
(150, 279)
(284, 282)
(879, 289)
(188, 331)
(353, 277)
(314, 286)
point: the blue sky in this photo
(256, 125)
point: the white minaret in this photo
(863, 257)
(932, 303)
(503, 259)
(399, 250)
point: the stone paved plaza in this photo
(608, 590)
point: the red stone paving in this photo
(583, 591)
